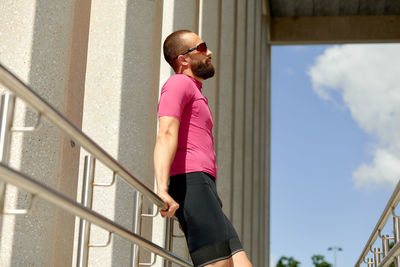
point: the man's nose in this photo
(209, 52)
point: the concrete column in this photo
(226, 69)
(262, 137)
(238, 124)
(267, 154)
(209, 19)
(248, 129)
(165, 11)
(120, 113)
(177, 15)
(186, 15)
(264, 194)
(258, 61)
(39, 44)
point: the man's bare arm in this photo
(164, 153)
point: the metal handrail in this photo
(389, 258)
(24, 92)
(20, 180)
(390, 206)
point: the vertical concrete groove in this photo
(197, 17)
(262, 144)
(244, 116)
(165, 13)
(252, 250)
(238, 147)
(217, 78)
(233, 105)
(268, 154)
(262, 181)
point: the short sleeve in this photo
(175, 94)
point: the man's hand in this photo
(168, 202)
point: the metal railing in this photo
(382, 255)
(22, 91)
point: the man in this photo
(184, 157)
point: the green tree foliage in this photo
(287, 262)
(319, 261)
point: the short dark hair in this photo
(173, 44)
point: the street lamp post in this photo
(335, 249)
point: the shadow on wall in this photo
(137, 129)
(41, 149)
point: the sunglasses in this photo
(200, 47)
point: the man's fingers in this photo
(171, 210)
(171, 205)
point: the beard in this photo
(202, 69)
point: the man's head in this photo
(188, 54)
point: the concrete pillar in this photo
(177, 15)
(248, 129)
(39, 44)
(224, 136)
(120, 113)
(186, 15)
(256, 135)
(261, 219)
(267, 161)
(209, 27)
(165, 11)
(238, 124)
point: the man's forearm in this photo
(164, 153)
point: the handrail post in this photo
(385, 245)
(137, 225)
(6, 117)
(396, 224)
(377, 256)
(87, 197)
(168, 238)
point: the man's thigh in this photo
(223, 263)
(237, 260)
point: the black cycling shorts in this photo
(209, 234)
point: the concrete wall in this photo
(100, 64)
(44, 43)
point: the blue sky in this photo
(333, 156)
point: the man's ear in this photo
(182, 61)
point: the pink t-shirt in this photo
(181, 98)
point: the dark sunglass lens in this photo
(202, 47)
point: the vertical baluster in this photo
(385, 245)
(396, 230)
(87, 197)
(370, 262)
(168, 238)
(6, 117)
(377, 256)
(137, 226)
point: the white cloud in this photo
(367, 79)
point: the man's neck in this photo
(190, 73)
